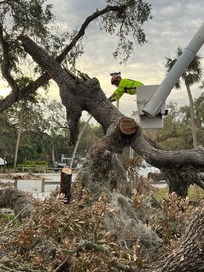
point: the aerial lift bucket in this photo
(144, 93)
(151, 99)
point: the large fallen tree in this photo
(182, 167)
(96, 174)
(101, 165)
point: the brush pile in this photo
(110, 233)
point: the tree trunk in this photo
(189, 256)
(17, 146)
(53, 154)
(78, 141)
(102, 164)
(65, 184)
(119, 130)
(192, 116)
(179, 182)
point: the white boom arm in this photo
(158, 98)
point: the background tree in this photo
(44, 132)
(7, 137)
(191, 76)
(28, 118)
(176, 133)
(199, 112)
(170, 137)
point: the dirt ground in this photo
(19, 176)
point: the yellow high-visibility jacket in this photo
(126, 86)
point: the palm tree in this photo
(191, 76)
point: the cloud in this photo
(173, 25)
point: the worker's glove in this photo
(111, 99)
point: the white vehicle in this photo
(2, 162)
(149, 171)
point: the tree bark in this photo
(65, 184)
(192, 115)
(189, 256)
(119, 130)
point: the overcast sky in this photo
(174, 24)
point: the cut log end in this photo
(67, 170)
(128, 126)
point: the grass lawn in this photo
(195, 193)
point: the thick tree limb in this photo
(120, 131)
(157, 157)
(44, 79)
(189, 255)
(5, 64)
(3, 2)
(87, 96)
(81, 31)
(169, 159)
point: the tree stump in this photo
(65, 184)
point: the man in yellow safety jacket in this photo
(124, 86)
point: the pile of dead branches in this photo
(111, 233)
